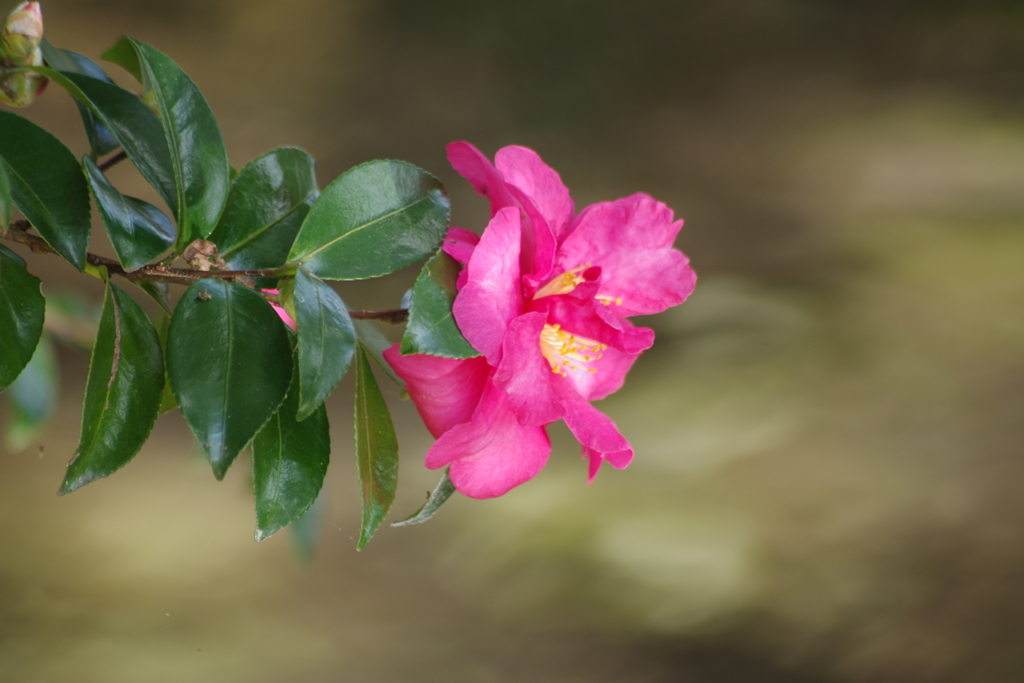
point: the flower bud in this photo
(22, 33)
(20, 37)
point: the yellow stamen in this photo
(563, 284)
(607, 299)
(561, 348)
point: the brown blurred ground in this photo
(828, 435)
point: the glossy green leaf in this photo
(167, 400)
(431, 328)
(33, 397)
(229, 360)
(289, 461)
(441, 493)
(138, 231)
(374, 343)
(160, 292)
(198, 156)
(101, 140)
(372, 220)
(5, 201)
(46, 185)
(376, 450)
(327, 339)
(122, 392)
(22, 309)
(136, 128)
(266, 205)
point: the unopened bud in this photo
(20, 37)
(22, 33)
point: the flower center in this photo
(563, 350)
(563, 284)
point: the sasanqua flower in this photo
(544, 297)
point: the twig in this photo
(18, 232)
(117, 158)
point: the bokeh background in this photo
(829, 433)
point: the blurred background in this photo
(828, 434)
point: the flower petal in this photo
(600, 377)
(590, 426)
(525, 375)
(491, 296)
(631, 239)
(459, 244)
(481, 174)
(594, 459)
(523, 169)
(446, 391)
(537, 254)
(492, 453)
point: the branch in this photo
(117, 158)
(18, 232)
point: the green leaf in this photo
(266, 205)
(372, 220)
(229, 360)
(33, 397)
(138, 231)
(5, 201)
(327, 339)
(46, 185)
(101, 140)
(441, 493)
(374, 342)
(136, 128)
(122, 393)
(198, 156)
(22, 309)
(289, 461)
(160, 292)
(431, 328)
(167, 400)
(376, 450)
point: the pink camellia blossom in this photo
(281, 313)
(544, 297)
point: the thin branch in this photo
(116, 159)
(18, 232)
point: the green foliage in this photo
(432, 327)
(376, 450)
(21, 315)
(230, 363)
(198, 157)
(327, 339)
(438, 497)
(289, 461)
(134, 125)
(371, 221)
(122, 393)
(101, 140)
(267, 203)
(5, 200)
(138, 230)
(46, 185)
(220, 354)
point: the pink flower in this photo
(544, 297)
(281, 313)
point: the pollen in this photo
(563, 284)
(608, 300)
(565, 351)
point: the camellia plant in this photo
(505, 332)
